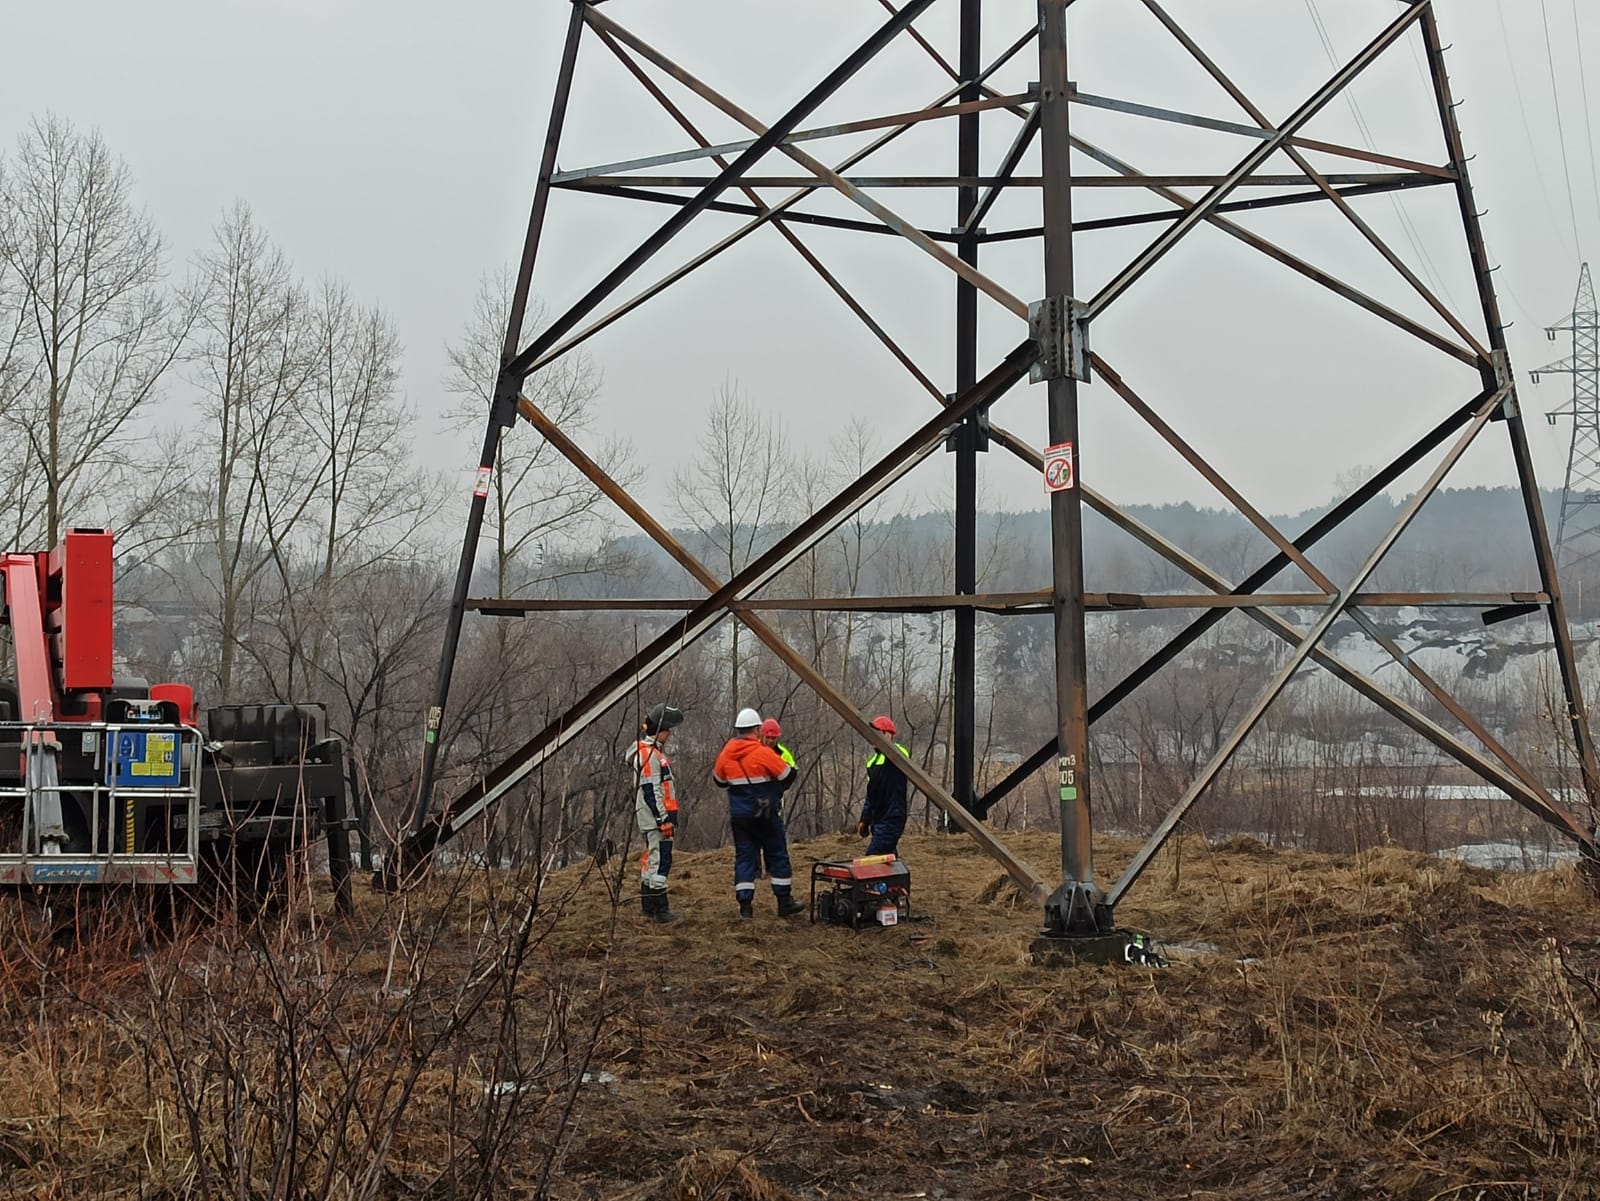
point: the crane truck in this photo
(107, 781)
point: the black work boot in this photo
(788, 906)
(746, 910)
(646, 901)
(664, 912)
(658, 911)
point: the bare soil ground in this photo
(1384, 1025)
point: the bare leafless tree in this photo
(827, 749)
(254, 363)
(738, 487)
(375, 670)
(367, 501)
(16, 367)
(88, 330)
(547, 529)
(16, 374)
(540, 508)
(361, 429)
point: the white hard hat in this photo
(748, 719)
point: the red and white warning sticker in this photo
(1060, 475)
(480, 489)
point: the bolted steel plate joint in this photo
(507, 390)
(1060, 325)
(975, 428)
(1503, 377)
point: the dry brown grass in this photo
(1383, 1025)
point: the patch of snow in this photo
(1511, 856)
(1183, 951)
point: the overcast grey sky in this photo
(394, 144)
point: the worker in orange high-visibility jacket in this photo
(655, 807)
(756, 778)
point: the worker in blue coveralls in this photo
(756, 777)
(883, 814)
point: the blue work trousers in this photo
(886, 833)
(756, 839)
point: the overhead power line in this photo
(1527, 125)
(1407, 227)
(1561, 133)
(1588, 122)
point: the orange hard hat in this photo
(884, 723)
(771, 729)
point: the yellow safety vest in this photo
(877, 756)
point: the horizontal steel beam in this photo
(1167, 216)
(1023, 603)
(800, 216)
(771, 213)
(897, 121)
(605, 183)
(1255, 131)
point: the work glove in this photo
(666, 829)
(862, 829)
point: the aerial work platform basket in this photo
(124, 797)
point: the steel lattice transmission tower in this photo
(1044, 173)
(1578, 534)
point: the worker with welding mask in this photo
(655, 808)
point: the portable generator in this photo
(875, 890)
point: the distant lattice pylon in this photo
(1578, 534)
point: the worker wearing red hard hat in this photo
(883, 815)
(771, 732)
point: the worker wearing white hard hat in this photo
(756, 777)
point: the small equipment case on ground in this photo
(871, 891)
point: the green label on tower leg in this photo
(1069, 794)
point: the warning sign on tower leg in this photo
(1059, 473)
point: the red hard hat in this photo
(771, 729)
(884, 723)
